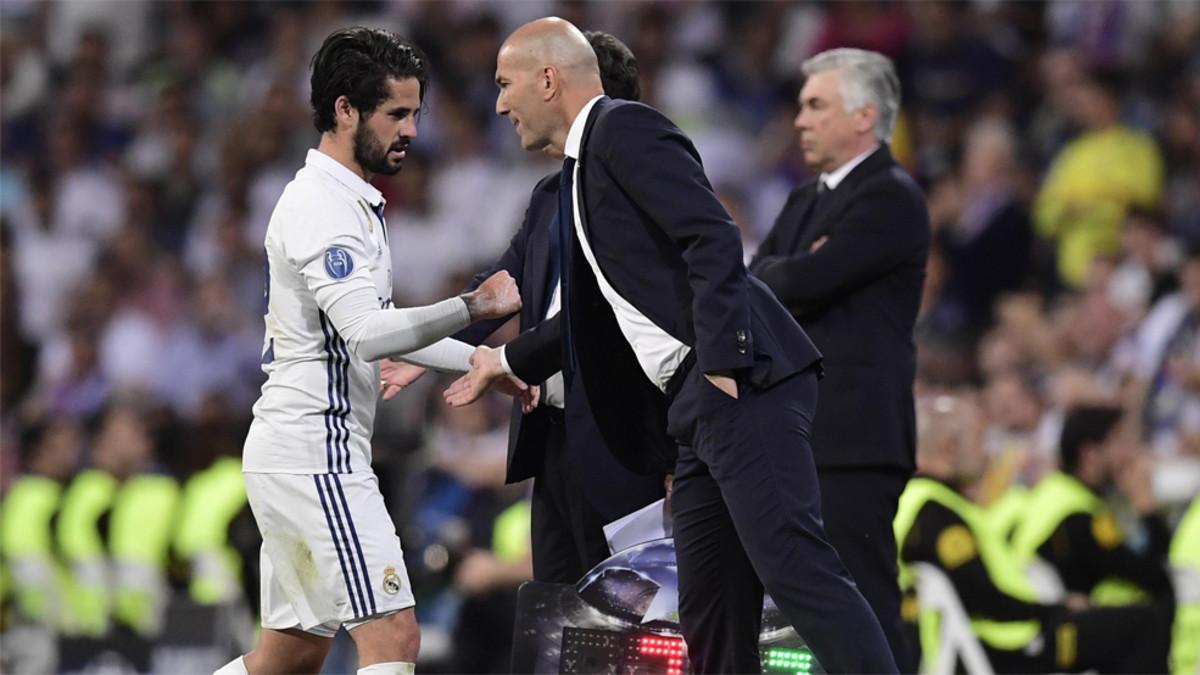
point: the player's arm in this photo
(444, 356)
(336, 272)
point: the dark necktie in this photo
(823, 194)
(817, 214)
(566, 223)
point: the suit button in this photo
(741, 337)
(742, 350)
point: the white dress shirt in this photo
(554, 391)
(834, 178)
(657, 351)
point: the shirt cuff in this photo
(504, 361)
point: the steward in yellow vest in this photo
(212, 499)
(82, 536)
(936, 524)
(1068, 525)
(39, 581)
(1185, 555)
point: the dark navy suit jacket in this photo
(612, 491)
(857, 296)
(667, 246)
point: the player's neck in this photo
(342, 150)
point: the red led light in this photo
(671, 650)
(665, 646)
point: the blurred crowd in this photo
(144, 144)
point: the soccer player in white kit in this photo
(330, 554)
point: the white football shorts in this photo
(330, 554)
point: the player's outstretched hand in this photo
(396, 375)
(497, 297)
(486, 372)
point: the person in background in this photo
(847, 257)
(1096, 178)
(940, 525)
(1068, 525)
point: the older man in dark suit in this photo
(676, 346)
(847, 257)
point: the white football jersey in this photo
(317, 408)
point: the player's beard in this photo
(371, 154)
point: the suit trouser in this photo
(567, 533)
(747, 507)
(859, 505)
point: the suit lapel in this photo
(826, 215)
(801, 220)
(829, 213)
(581, 184)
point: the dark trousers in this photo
(567, 531)
(1132, 639)
(747, 511)
(859, 505)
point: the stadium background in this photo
(143, 145)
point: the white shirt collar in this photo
(341, 173)
(575, 135)
(835, 177)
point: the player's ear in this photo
(344, 113)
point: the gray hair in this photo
(867, 77)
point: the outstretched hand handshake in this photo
(488, 373)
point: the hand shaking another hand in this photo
(394, 376)
(488, 373)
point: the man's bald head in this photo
(546, 72)
(554, 42)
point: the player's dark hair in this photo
(618, 66)
(356, 63)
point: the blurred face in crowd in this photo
(950, 439)
(58, 451)
(1090, 105)
(830, 135)
(122, 446)
(1111, 456)
(1011, 404)
(381, 137)
(214, 307)
(988, 159)
(1189, 281)
(524, 96)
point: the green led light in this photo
(790, 660)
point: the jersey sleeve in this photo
(329, 250)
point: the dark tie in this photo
(823, 192)
(566, 224)
(817, 214)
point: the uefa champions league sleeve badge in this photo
(338, 263)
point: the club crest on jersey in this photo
(391, 580)
(338, 263)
